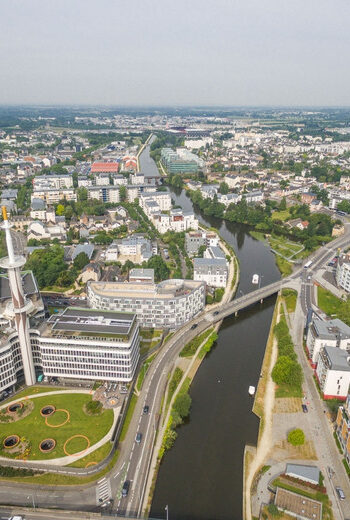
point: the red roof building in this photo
(105, 167)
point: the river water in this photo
(201, 477)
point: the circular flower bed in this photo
(47, 445)
(47, 410)
(57, 414)
(11, 441)
(14, 407)
(75, 437)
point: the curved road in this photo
(134, 459)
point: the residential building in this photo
(104, 193)
(136, 248)
(102, 179)
(176, 220)
(141, 275)
(53, 196)
(195, 239)
(214, 252)
(297, 505)
(331, 333)
(52, 182)
(105, 167)
(333, 372)
(91, 272)
(38, 230)
(161, 198)
(343, 272)
(213, 271)
(343, 428)
(168, 304)
(253, 196)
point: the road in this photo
(134, 459)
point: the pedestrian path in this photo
(103, 491)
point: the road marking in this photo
(115, 476)
(103, 491)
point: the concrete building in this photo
(90, 344)
(195, 239)
(136, 248)
(343, 428)
(168, 304)
(309, 474)
(104, 193)
(343, 272)
(333, 372)
(331, 333)
(53, 196)
(161, 198)
(176, 220)
(213, 271)
(52, 182)
(141, 275)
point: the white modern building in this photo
(176, 220)
(168, 304)
(52, 181)
(161, 198)
(90, 344)
(136, 248)
(331, 333)
(343, 272)
(333, 372)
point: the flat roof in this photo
(29, 285)
(92, 321)
(299, 505)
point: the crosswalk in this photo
(103, 491)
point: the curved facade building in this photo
(168, 304)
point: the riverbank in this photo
(189, 368)
(263, 408)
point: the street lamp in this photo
(261, 276)
(167, 512)
(28, 497)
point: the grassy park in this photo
(72, 428)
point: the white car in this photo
(16, 517)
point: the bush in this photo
(94, 407)
(296, 437)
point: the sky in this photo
(175, 52)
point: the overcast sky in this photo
(175, 52)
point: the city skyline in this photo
(206, 53)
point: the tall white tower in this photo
(13, 265)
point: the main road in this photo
(134, 459)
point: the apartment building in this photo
(195, 239)
(176, 220)
(52, 181)
(333, 372)
(136, 248)
(343, 428)
(53, 196)
(343, 272)
(168, 304)
(330, 333)
(212, 271)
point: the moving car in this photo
(138, 437)
(194, 326)
(146, 409)
(304, 407)
(340, 492)
(126, 487)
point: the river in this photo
(201, 477)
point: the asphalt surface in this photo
(134, 459)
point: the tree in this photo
(122, 193)
(201, 250)
(81, 260)
(161, 270)
(296, 437)
(60, 209)
(82, 194)
(182, 405)
(283, 204)
(47, 265)
(287, 371)
(224, 189)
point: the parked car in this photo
(216, 313)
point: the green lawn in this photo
(290, 297)
(327, 302)
(33, 428)
(128, 417)
(284, 266)
(143, 371)
(281, 215)
(96, 456)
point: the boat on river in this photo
(251, 390)
(255, 279)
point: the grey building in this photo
(213, 271)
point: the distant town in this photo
(127, 240)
